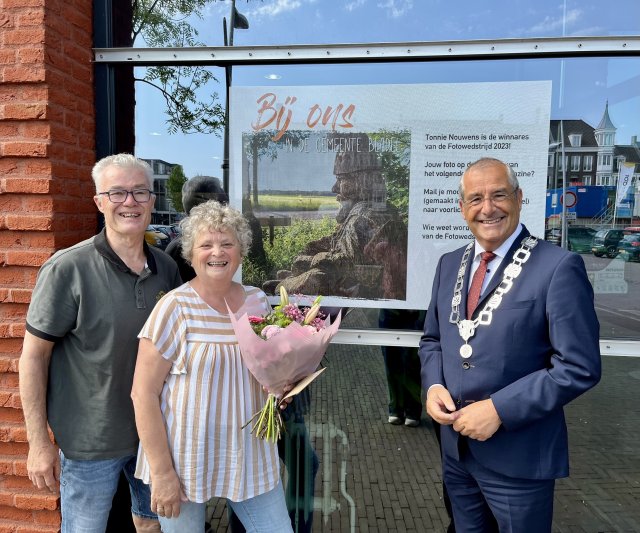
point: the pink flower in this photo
(255, 319)
(270, 331)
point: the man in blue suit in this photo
(498, 376)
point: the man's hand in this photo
(43, 466)
(478, 420)
(440, 405)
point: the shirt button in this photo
(466, 365)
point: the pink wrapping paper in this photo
(285, 358)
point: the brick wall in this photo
(47, 128)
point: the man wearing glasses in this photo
(511, 336)
(76, 369)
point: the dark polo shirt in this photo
(92, 306)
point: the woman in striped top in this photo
(192, 393)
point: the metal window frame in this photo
(543, 47)
(500, 49)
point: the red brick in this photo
(32, 17)
(27, 185)
(51, 518)
(7, 57)
(14, 449)
(36, 501)
(23, 74)
(18, 515)
(21, 37)
(20, 295)
(31, 258)
(23, 111)
(24, 149)
(26, 223)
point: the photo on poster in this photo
(333, 208)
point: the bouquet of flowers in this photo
(282, 348)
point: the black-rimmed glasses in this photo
(119, 196)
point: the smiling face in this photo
(130, 218)
(491, 223)
(216, 255)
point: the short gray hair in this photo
(489, 162)
(214, 216)
(122, 161)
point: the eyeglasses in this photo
(496, 198)
(119, 196)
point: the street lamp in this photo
(239, 21)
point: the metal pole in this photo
(563, 234)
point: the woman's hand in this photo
(284, 403)
(166, 494)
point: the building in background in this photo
(164, 212)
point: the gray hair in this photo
(484, 162)
(122, 161)
(214, 216)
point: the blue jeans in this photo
(87, 489)
(266, 513)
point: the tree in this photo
(162, 23)
(174, 187)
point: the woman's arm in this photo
(148, 380)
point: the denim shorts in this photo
(87, 489)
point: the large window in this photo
(373, 475)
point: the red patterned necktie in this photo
(476, 283)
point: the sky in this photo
(581, 87)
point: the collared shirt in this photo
(92, 306)
(500, 252)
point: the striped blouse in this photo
(207, 397)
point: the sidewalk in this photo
(390, 475)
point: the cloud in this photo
(277, 7)
(155, 134)
(354, 4)
(396, 8)
(553, 24)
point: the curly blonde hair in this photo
(214, 216)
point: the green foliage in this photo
(288, 243)
(297, 202)
(174, 187)
(162, 24)
(395, 168)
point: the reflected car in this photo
(157, 238)
(579, 238)
(169, 231)
(605, 242)
(629, 247)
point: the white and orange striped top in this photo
(207, 397)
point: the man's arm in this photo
(43, 462)
(439, 404)
(574, 365)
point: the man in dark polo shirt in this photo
(88, 306)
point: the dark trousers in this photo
(402, 365)
(484, 501)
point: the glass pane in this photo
(375, 476)
(359, 21)
(597, 102)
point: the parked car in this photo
(579, 238)
(629, 247)
(157, 238)
(169, 231)
(605, 242)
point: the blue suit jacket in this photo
(540, 351)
